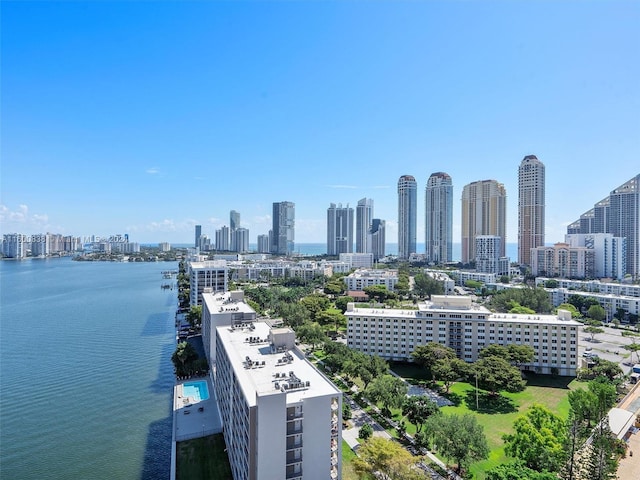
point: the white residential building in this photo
(488, 256)
(206, 275)
(281, 416)
(610, 253)
(461, 276)
(610, 303)
(456, 322)
(14, 245)
(357, 260)
(361, 279)
(447, 282)
(622, 289)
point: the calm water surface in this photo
(85, 370)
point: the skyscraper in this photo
(234, 220)
(222, 239)
(618, 214)
(198, 235)
(378, 238)
(407, 215)
(439, 218)
(530, 207)
(283, 231)
(484, 212)
(339, 229)
(364, 215)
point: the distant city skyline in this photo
(205, 107)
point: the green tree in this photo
(312, 334)
(551, 284)
(633, 348)
(418, 408)
(425, 285)
(365, 431)
(427, 355)
(517, 471)
(597, 313)
(538, 440)
(535, 299)
(194, 315)
(385, 458)
(448, 371)
(315, 304)
(593, 331)
(333, 318)
(342, 302)
(599, 458)
(458, 437)
(368, 367)
(388, 390)
(495, 374)
(379, 293)
(583, 404)
(182, 358)
(571, 308)
(346, 411)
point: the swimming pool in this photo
(197, 390)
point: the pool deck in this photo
(196, 423)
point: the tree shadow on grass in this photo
(487, 403)
(552, 381)
(455, 398)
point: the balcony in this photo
(293, 443)
(294, 457)
(294, 416)
(293, 429)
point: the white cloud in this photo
(21, 220)
(153, 171)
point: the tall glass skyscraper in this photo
(407, 215)
(439, 218)
(530, 207)
(364, 217)
(339, 229)
(283, 231)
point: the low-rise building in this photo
(455, 321)
(357, 260)
(597, 286)
(361, 279)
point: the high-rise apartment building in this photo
(488, 259)
(378, 238)
(484, 212)
(439, 218)
(281, 417)
(339, 229)
(240, 240)
(407, 215)
(530, 207)
(564, 261)
(263, 244)
(222, 239)
(283, 231)
(610, 253)
(364, 216)
(234, 220)
(619, 215)
(198, 235)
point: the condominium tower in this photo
(198, 235)
(339, 229)
(378, 238)
(283, 231)
(407, 215)
(364, 216)
(439, 218)
(484, 212)
(619, 215)
(530, 207)
(234, 220)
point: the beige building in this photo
(467, 328)
(484, 212)
(531, 207)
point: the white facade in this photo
(364, 219)
(461, 276)
(361, 279)
(622, 289)
(164, 246)
(339, 229)
(439, 218)
(281, 417)
(610, 253)
(467, 328)
(610, 303)
(407, 215)
(447, 282)
(206, 275)
(14, 245)
(357, 260)
(488, 255)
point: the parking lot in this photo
(609, 346)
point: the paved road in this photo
(609, 346)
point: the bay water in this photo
(85, 370)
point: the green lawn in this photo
(202, 459)
(497, 415)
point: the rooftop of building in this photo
(263, 368)
(226, 302)
(365, 272)
(208, 264)
(459, 304)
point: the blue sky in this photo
(149, 117)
